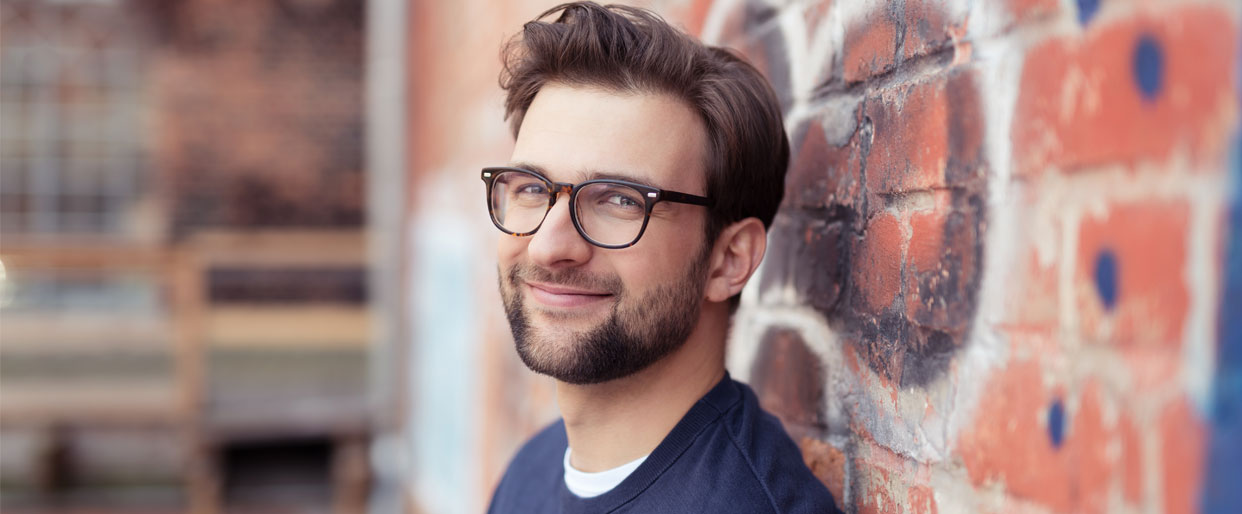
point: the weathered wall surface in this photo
(1006, 276)
(996, 280)
(257, 113)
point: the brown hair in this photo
(633, 50)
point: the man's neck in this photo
(618, 421)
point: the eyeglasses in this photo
(607, 213)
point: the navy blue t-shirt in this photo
(726, 455)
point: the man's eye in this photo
(532, 189)
(621, 200)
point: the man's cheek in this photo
(509, 249)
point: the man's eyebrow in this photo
(528, 166)
(612, 175)
(590, 174)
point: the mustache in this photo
(572, 277)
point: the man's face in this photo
(584, 314)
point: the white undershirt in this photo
(590, 485)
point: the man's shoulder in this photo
(753, 428)
(762, 453)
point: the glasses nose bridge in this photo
(559, 188)
(554, 193)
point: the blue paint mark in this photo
(1221, 492)
(1106, 278)
(1087, 10)
(1148, 66)
(1056, 423)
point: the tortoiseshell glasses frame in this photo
(650, 197)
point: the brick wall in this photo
(1005, 277)
(257, 112)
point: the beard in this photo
(639, 330)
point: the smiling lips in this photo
(564, 297)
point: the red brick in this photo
(1182, 452)
(788, 379)
(821, 174)
(942, 268)
(1026, 11)
(853, 361)
(1007, 442)
(921, 500)
(1008, 445)
(925, 255)
(966, 129)
(878, 503)
(903, 138)
(804, 239)
(1148, 241)
(911, 141)
(882, 381)
(873, 495)
(927, 234)
(927, 28)
(885, 481)
(871, 44)
(1089, 466)
(870, 47)
(1132, 462)
(827, 462)
(877, 266)
(1079, 104)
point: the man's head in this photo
(616, 93)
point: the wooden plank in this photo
(281, 248)
(97, 257)
(97, 400)
(69, 402)
(189, 293)
(267, 325)
(67, 332)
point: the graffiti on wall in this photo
(998, 238)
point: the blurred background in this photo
(209, 292)
(187, 309)
(246, 264)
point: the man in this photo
(646, 171)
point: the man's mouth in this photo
(560, 296)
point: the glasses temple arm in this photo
(674, 196)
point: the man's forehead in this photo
(572, 134)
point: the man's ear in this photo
(735, 256)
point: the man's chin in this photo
(552, 355)
(558, 334)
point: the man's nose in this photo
(557, 243)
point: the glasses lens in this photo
(611, 214)
(519, 201)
